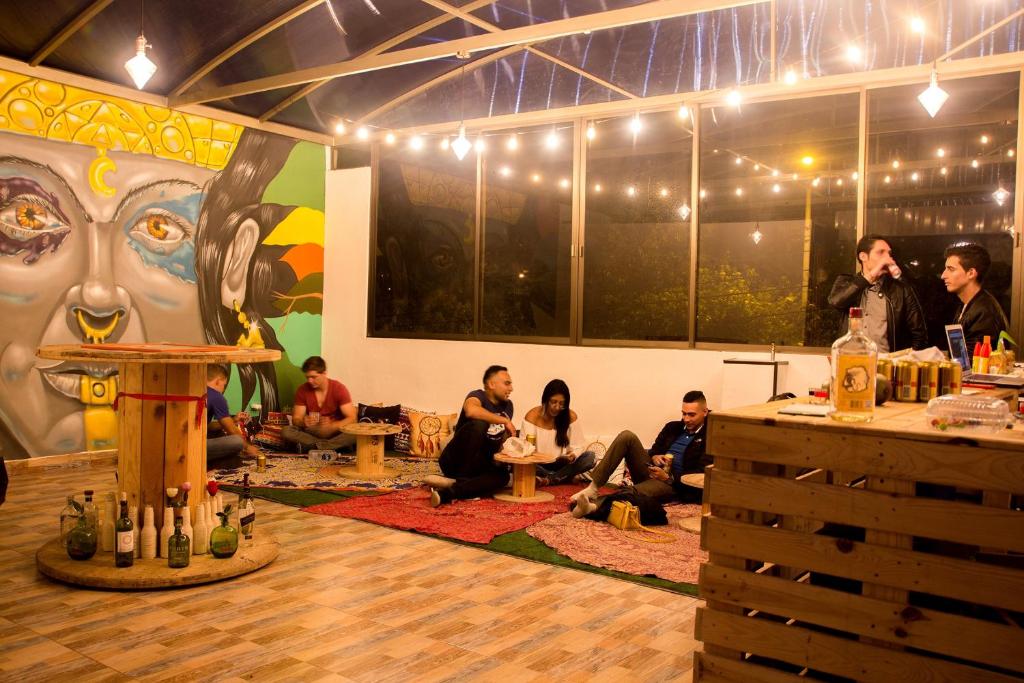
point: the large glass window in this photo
(777, 219)
(636, 277)
(426, 221)
(527, 262)
(936, 181)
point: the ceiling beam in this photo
(70, 29)
(245, 42)
(810, 87)
(491, 28)
(638, 14)
(375, 50)
(443, 78)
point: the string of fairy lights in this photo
(776, 179)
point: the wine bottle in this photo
(178, 549)
(148, 536)
(69, 518)
(124, 554)
(246, 510)
(166, 530)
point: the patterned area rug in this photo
(289, 471)
(475, 521)
(602, 545)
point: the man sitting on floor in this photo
(322, 407)
(468, 460)
(657, 472)
(224, 438)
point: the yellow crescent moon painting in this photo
(99, 167)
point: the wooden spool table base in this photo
(100, 572)
(369, 452)
(524, 479)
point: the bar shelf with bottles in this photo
(208, 542)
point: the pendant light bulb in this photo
(933, 97)
(140, 67)
(461, 145)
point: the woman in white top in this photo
(558, 432)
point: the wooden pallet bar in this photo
(872, 552)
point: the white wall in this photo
(612, 388)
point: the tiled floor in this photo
(345, 601)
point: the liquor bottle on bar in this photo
(854, 364)
(90, 512)
(124, 552)
(246, 510)
(69, 518)
(178, 549)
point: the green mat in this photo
(517, 543)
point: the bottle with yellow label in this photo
(854, 363)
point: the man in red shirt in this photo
(322, 407)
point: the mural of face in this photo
(94, 247)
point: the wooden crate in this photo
(886, 551)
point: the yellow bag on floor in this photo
(626, 516)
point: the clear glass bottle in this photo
(224, 538)
(69, 518)
(90, 511)
(854, 364)
(82, 540)
(179, 551)
(246, 510)
(124, 543)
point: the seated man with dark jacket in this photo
(656, 472)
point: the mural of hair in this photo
(231, 198)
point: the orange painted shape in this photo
(305, 259)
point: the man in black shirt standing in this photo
(468, 459)
(981, 315)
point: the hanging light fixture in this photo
(461, 145)
(140, 67)
(1000, 195)
(757, 235)
(933, 97)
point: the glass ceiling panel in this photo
(255, 104)
(185, 35)
(449, 30)
(815, 36)
(515, 13)
(27, 24)
(522, 82)
(697, 52)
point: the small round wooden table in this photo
(524, 478)
(693, 524)
(369, 451)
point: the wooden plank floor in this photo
(345, 601)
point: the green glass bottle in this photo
(179, 550)
(124, 541)
(82, 540)
(224, 538)
(69, 518)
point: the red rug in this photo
(475, 521)
(602, 545)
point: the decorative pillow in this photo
(382, 414)
(270, 437)
(428, 431)
(402, 439)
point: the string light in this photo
(663, 192)
(915, 176)
(739, 161)
(703, 194)
(807, 160)
(535, 177)
(775, 173)
(597, 187)
(917, 25)
(940, 152)
(390, 138)
(795, 176)
(513, 142)
(734, 98)
(635, 125)
(854, 54)
(445, 143)
(839, 182)
(739, 191)
(776, 188)
(591, 132)
(790, 77)
(684, 112)
(1010, 153)
(362, 133)
(895, 163)
(855, 176)
(339, 128)
(975, 164)
(563, 183)
(984, 139)
(631, 191)
(416, 143)
(887, 179)
(816, 182)
(505, 171)
(551, 141)
(480, 145)
(943, 170)
(757, 167)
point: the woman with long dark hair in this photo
(558, 432)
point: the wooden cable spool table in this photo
(524, 478)
(161, 412)
(369, 451)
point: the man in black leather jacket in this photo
(657, 471)
(981, 315)
(892, 314)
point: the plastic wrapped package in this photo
(974, 413)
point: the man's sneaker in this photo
(436, 481)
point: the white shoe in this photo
(437, 481)
(580, 505)
(435, 498)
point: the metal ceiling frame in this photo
(639, 14)
(375, 50)
(69, 29)
(245, 42)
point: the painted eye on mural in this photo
(27, 216)
(161, 231)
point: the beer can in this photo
(884, 368)
(532, 439)
(927, 380)
(950, 375)
(905, 374)
(261, 462)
